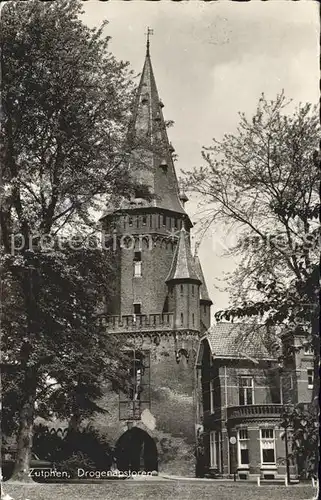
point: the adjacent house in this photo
(242, 390)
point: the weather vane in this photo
(149, 32)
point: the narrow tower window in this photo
(137, 264)
(130, 221)
(144, 220)
(182, 319)
(164, 220)
(193, 319)
(137, 308)
(193, 290)
(182, 289)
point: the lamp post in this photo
(233, 449)
(287, 454)
(285, 425)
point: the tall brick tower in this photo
(160, 302)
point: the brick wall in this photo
(172, 404)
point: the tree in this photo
(262, 183)
(65, 108)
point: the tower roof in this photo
(204, 295)
(152, 164)
(183, 265)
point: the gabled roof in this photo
(204, 295)
(238, 341)
(183, 265)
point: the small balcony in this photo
(262, 411)
(138, 322)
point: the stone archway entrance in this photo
(136, 451)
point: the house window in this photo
(144, 220)
(267, 440)
(215, 450)
(243, 447)
(246, 391)
(137, 308)
(212, 397)
(175, 223)
(310, 378)
(138, 264)
(130, 221)
(164, 220)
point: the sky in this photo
(212, 60)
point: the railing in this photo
(138, 322)
(252, 411)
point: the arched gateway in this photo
(136, 451)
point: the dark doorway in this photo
(136, 451)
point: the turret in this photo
(184, 286)
(205, 301)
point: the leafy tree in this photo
(65, 109)
(262, 184)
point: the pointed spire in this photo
(183, 265)
(153, 165)
(204, 295)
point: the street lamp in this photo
(233, 448)
(285, 425)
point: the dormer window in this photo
(145, 98)
(164, 165)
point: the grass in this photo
(132, 490)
